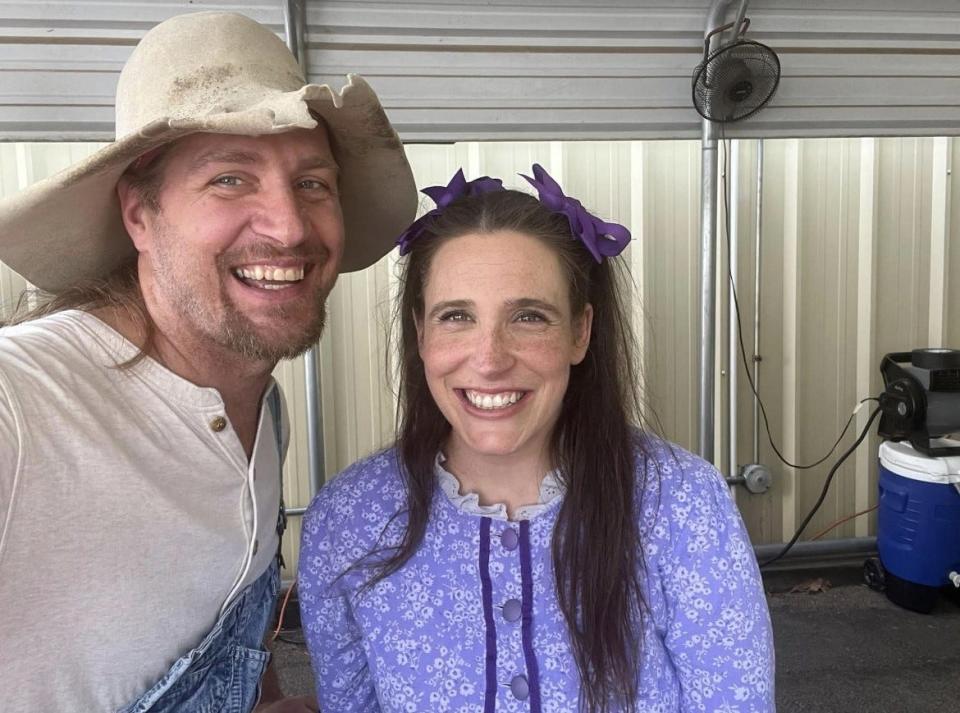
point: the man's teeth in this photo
(275, 274)
(493, 401)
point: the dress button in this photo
(509, 539)
(218, 423)
(519, 688)
(512, 610)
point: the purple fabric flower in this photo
(600, 238)
(459, 187)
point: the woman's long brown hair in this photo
(596, 446)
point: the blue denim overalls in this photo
(222, 674)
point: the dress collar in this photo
(551, 489)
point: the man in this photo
(141, 434)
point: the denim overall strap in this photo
(276, 412)
(222, 674)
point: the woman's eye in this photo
(530, 317)
(454, 316)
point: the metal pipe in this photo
(708, 260)
(294, 23)
(315, 454)
(741, 12)
(733, 220)
(820, 548)
(756, 306)
(294, 512)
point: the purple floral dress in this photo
(471, 623)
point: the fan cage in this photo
(743, 67)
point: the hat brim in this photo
(67, 228)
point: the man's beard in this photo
(231, 328)
(240, 335)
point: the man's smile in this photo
(270, 277)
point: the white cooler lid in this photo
(900, 458)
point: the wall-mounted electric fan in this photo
(735, 80)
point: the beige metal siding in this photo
(846, 277)
(857, 261)
(456, 70)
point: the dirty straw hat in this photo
(220, 73)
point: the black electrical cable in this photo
(743, 351)
(826, 487)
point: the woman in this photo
(524, 546)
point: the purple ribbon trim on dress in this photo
(486, 587)
(526, 614)
(602, 239)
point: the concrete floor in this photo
(843, 650)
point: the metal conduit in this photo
(294, 23)
(708, 259)
(852, 546)
(756, 306)
(733, 355)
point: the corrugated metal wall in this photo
(456, 70)
(856, 262)
(856, 256)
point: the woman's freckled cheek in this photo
(448, 349)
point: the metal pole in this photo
(820, 548)
(294, 23)
(733, 221)
(315, 454)
(708, 260)
(756, 306)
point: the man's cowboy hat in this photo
(220, 73)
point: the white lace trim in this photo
(550, 489)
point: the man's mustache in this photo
(313, 254)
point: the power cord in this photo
(743, 350)
(277, 634)
(766, 422)
(823, 492)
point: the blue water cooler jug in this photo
(918, 528)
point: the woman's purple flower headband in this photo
(459, 187)
(602, 239)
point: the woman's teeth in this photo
(490, 402)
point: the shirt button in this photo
(509, 539)
(512, 610)
(218, 424)
(256, 546)
(519, 688)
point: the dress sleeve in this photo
(718, 627)
(342, 674)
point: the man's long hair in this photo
(595, 445)
(119, 289)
